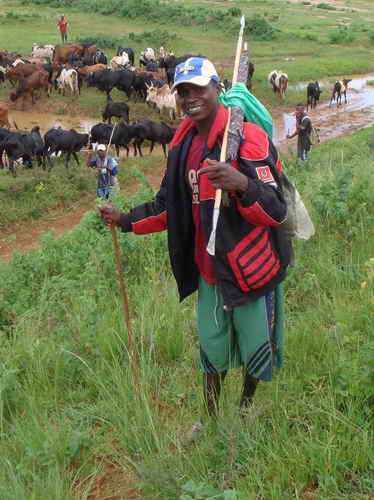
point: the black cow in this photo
(170, 62)
(129, 51)
(69, 142)
(313, 93)
(251, 70)
(23, 145)
(117, 109)
(152, 66)
(107, 80)
(100, 57)
(154, 132)
(122, 135)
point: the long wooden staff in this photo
(125, 300)
(211, 247)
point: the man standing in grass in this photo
(303, 132)
(235, 311)
(63, 27)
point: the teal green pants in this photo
(247, 335)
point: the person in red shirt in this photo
(235, 313)
(63, 27)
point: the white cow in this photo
(68, 79)
(120, 62)
(42, 50)
(163, 98)
(148, 55)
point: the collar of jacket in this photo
(216, 131)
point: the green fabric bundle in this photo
(254, 111)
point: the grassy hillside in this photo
(71, 423)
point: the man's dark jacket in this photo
(250, 258)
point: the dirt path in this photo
(333, 121)
(26, 236)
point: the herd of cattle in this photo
(29, 146)
(69, 66)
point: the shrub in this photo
(259, 28)
(234, 11)
(154, 37)
(342, 35)
(371, 37)
(102, 41)
(326, 6)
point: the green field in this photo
(71, 423)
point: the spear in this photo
(233, 130)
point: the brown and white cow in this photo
(279, 82)
(340, 89)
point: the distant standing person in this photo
(63, 27)
(303, 132)
(106, 169)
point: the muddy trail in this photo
(25, 236)
(332, 121)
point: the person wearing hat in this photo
(63, 27)
(106, 168)
(235, 286)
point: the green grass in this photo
(34, 192)
(68, 405)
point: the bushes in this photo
(371, 37)
(154, 37)
(342, 35)
(326, 6)
(102, 41)
(259, 28)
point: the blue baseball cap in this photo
(196, 70)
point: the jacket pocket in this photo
(253, 260)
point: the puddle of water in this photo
(333, 121)
(29, 119)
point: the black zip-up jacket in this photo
(250, 259)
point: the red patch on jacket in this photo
(264, 174)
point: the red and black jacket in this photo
(249, 260)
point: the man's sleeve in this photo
(147, 218)
(92, 162)
(263, 204)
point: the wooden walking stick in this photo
(123, 291)
(233, 130)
